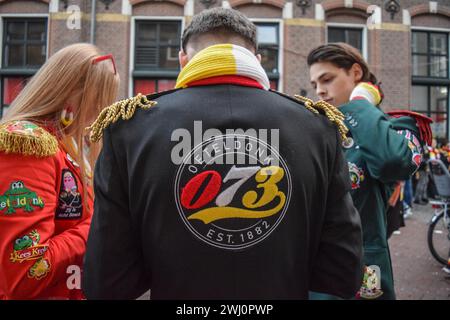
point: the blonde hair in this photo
(69, 72)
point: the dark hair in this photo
(342, 55)
(225, 21)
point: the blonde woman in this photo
(46, 201)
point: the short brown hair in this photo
(225, 21)
(342, 55)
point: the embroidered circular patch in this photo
(348, 143)
(232, 191)
(356, 175)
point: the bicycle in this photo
(439, 229)
(439, 232)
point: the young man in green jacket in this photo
(381, 149)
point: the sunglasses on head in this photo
(106, 57)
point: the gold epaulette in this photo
(331, 112)
(27, 138)
(122, 109)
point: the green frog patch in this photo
(19, 197)
(27, 248)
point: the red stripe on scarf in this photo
(229, 79)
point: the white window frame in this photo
(132, 40)
(363, 27)
(280, 23)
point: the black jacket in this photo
(171, 227)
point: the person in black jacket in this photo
(221, 188)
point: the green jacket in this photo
(380, 151)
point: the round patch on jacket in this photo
(232, 191)
(356, 175)
(348, 143)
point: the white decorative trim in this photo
(433, 6)
(419, 28)
(375, 17)
(349, 3)
(53, 6)
(189, 8)
(126, 8)
(320, 12)
(406, 17)
(226, 4)
(288, 10)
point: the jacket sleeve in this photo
(114, 266)
(33, 258)
(338, 265)
(387, 154)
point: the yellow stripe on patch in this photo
(217, 60)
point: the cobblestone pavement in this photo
(417, 275)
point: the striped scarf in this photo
(222, 60)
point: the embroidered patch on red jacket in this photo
(27, 248)
(70, 204)
(18, 196)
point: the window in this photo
(24, 50)
(157, 45)
(146, 86)
(432, 101)
(269, 47)
(156, 66)
(24, 43)
(430, 78)
(429, 54)
(352, 36)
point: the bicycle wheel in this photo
(438, 239)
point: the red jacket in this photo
(43, 222)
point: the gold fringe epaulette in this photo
(331, 112)
(122, 109)
(26, 138)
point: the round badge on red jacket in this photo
(232, 191)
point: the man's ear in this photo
(357, 72)
(258, 56)
(182, 58)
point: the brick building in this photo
(406, 42)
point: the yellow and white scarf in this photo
(221, 60)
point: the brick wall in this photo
(158, 9)
(299, 40)
(19, 6)
(388, 45)
(263, 11)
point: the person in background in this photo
(381, 150)
(46, 200)
(407, 198)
